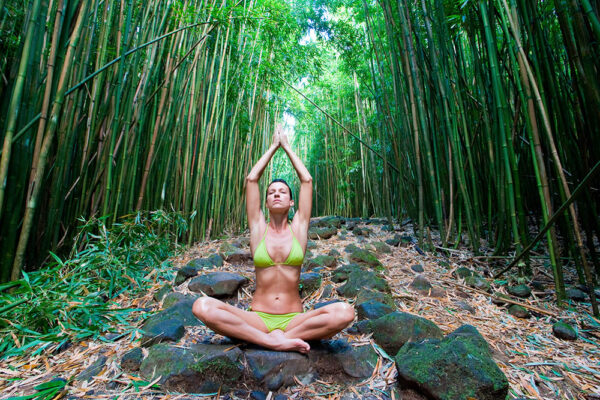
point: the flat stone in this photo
(318, 233)
(331, 356)
(518, 311)
(217, 284)
(522, 290)
(372, 310)
(309, 283)
(457, 367)
(320, 261)
(276, 369)
(161, 328)
(93, 369)
(199, 368)
(576, 294)
(381, 248)
(478, 282)
(417, 268)
(393, 330)
(463, 272)
(564, 331)
(358, 281)
(421, 283)
(132, 360)
(233, 254)
(365, 257)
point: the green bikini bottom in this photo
(276, 321)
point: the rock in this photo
(417, 268)
(162, 292)
(463, 272)
(181, 310)
(463, 305)
(275, 369)
(342, 273)
(478, 282)
(326, 303)
(358, 231)
(317, 233)
(200, 368)
(421, 284)
(233, 254)
(564, 331)
(456, 367)
(522, 291)
(217, 284)
(242, 242)
(132, 360)
(372, 310)
(311, 244)
(393, 330)
(309, 283)
(407, 239)
(518, 311)
(373, 295)
(320, 261)
(331, 356)
(497, 299)
(381, 248)
(186, 272)
(395, 241)
(365, 257)
(333, 253)
(538, 285)
(351, 248)
(161, 328)
(175, 297)
(576, 294)
(93, 369)
(328, 221)
(358, 281)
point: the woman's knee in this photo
(202, 307)
(343, 313)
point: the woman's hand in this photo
(283, 139)
(276, 137)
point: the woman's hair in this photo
(279, 180)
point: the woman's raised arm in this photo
(255, 215)
(302, 217)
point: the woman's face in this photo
(278, 197)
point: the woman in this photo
(276, 319)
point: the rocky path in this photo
(427, 327)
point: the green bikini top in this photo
(262, 259)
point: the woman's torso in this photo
(277, 284)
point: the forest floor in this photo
(538, 365)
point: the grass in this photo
(69, 300)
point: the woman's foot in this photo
(278, 341)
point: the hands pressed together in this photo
(279, 138)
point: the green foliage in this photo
(72, 299)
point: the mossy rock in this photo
(217, 284)
(200, 368)
(342, 273)
(351, 248)
(328, 221)
(163, 291)
(456, 367)
(463, 272)
(374, 295)
(361, 280)
(365, 257)
(478, 282)
(309, 283)
(395, 329)
(522, 290)
(519, 311)
(276, 369)
(498, 298)
(317, 233)
(381, 248)
(233, 254)
(320, 261)
(564, 331)
(372, 309)
(421, 284)
(365, 232)
(395, 241)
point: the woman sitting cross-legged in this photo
(276, 319)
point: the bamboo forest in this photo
(453, 148)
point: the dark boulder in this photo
(522, 291)
(200, 368)
(132, 360)
(456, 367)
(217, 284)
(162, 292)
(161, 328)
(275, 369)
(564, 331)
(372, 310)
(393, 330)
(333, 356)
(358, 281)
(518, 311)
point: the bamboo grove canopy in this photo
(473, 118)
